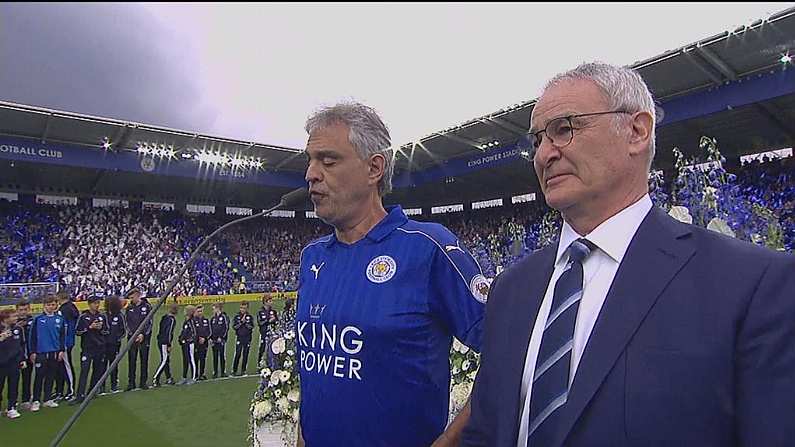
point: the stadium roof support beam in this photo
(122, 137)
(96, 180)
(462, 140)
(287, 160)
(46, 131)
(717, 62)
(504, 125)
(772, 114)
(707, 70)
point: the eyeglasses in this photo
(560, 132)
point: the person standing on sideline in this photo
(164, 338)
(203, 333)
(92, 327)
(137, 310)
(117, 331)
(266, 320)
(219, 328)
(244, 326)
(24, 322)
(47, 352)
(66, 376)
(633, 328)
(287, 320)
(187, 341)
(12, 358)
(392, 293)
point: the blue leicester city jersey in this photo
(374, 324)
(48, 334)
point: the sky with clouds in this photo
(256, 71)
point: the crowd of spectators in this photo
(110, 250)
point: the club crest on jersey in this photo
(480, 288)
(381, 269)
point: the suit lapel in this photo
(656, 254)
(522, 311)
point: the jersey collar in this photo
(395, 218)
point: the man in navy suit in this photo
(633, 329)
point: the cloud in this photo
(255, 71)
(115, 61)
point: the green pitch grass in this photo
(212, 413)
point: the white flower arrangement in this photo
(261, 409)
(464, 364)
(719, 225)
(279, 346)
(275, 378)
(681, 214)
(276, 402)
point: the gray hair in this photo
(623, 88)
(368, 134)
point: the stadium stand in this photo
(108, 250)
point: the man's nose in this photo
(312, 174)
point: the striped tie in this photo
(550, 386)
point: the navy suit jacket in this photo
(694, 346)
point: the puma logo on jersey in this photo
(316, 270)
(449, 248)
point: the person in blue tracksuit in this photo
(47, 352)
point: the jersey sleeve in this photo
(105, 329)
(62, 338)
(458, 292)
(82, 325)
(33, 342)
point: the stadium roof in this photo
(709, 65)
(719, 60)
(713, 61)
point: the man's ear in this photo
(376, 166)
(640, 132)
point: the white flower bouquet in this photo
(276, 401)
(464, 364)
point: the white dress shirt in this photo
(612, 238)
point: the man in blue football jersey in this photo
(379, 299)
